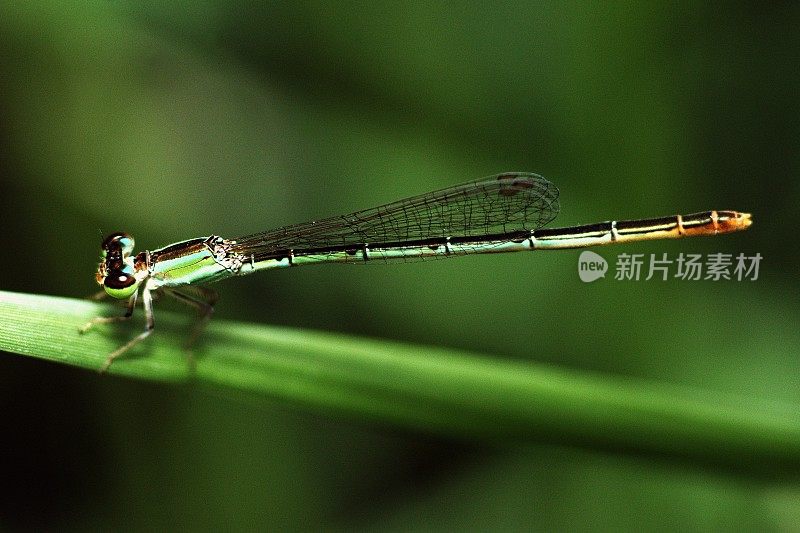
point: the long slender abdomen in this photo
(602, 233)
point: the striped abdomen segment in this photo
(705, 223)
(674, 227)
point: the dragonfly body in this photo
(503, 213)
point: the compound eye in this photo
(121, 240)
(126, 243)
(120, 285)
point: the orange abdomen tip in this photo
(730, 221)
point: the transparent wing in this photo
(496, 205)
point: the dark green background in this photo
(229, 118)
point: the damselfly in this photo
(503, 213)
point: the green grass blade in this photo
(446, 391)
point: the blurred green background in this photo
(184, 120)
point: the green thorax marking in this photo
(186, 262)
